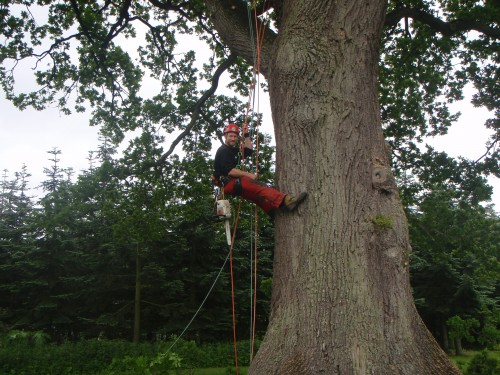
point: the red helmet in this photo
(231, 128)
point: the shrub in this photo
(490, 336)
(21, 355)
(483, 364)
(24, 353)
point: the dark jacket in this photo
(228, 158)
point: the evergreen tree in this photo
(17, 235)
(455, 265)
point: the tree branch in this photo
(168, 6)
(445, 28)
(120, 24)
(493, 145)
(199, 104)
(230, 18)
(99, 61)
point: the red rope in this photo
(260, 39)
(260, 29)
(232, 286)
(254, 314)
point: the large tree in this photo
(341, 300)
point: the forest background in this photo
(123, 249)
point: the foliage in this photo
(78, 278)
(161, 364)
(454, 266)
(490, 336)
(461, 328)
(136, 65)
(382, 222)
(113, 356)
(463, 361)
(33, 338)
(85, 356)
(483, 364)
(424, 68)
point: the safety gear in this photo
(215, 181)
(291, 202)
(237, 188)
(231, 128)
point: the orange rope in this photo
(260, 39)
(256, 234)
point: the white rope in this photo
(252, 132)
(202, 303)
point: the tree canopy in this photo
(130, 64)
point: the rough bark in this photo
(341, 302)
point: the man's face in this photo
(231, 139)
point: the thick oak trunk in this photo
(341, 302)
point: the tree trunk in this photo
(137, 299)
(341, 301)
(446, 341)
(458, 347)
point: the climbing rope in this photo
(260, 39)
(202, 303)
(235, 227)
(256, 47)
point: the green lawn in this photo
(220, 371)
(461, 361)
(212, 371)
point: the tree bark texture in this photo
(341, 301)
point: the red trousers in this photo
(257, 192)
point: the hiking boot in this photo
(291, 202)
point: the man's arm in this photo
(247, 144)
(236, 173)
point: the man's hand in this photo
(246, 136)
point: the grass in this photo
(220, 371)
(214, 371)
(462, 362)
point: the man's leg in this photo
(262, 195)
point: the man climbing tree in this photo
(341, 300)
(235, 181)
